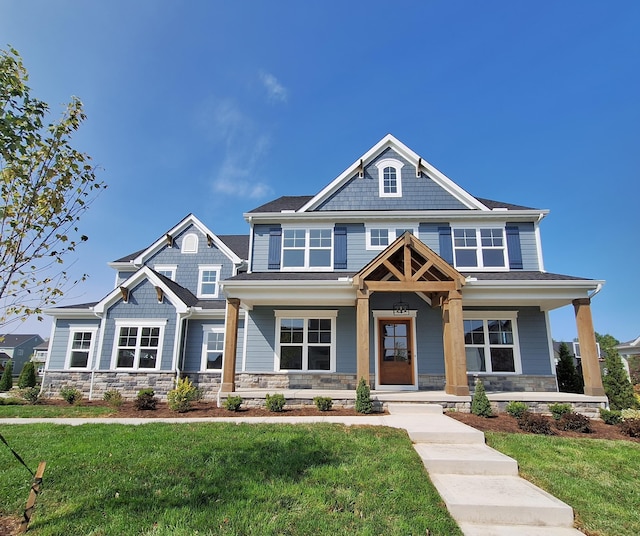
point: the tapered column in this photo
(588, 349)
(362, 336)
(230, 346)
(455, 359)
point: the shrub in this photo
(113, 398)
(569, 380)
(627, 414)
(558, 410)
(27, 376)
(71, 395)
(574, 422)
(31, 395)
(363, 397)
(275, 402)
(480, 404)
(616, 383)
(6, 382)
(610, 416)
(232, 403)
(516, 409)
(631, 427)
(180, 398)
(535, 423)
(11, 401)
(323, 403)
(146, 399)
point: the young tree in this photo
(569, 381)
(6, 381)
(45, 186)
(27, 376)
(614, 378)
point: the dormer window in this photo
(389, 177)
(190, 243)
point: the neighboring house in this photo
(392, 273)
(574, 350)
(18, 349)
(40, 356)
(628, 350)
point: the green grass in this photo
(36, 411)
(222, 478)
(600, 479)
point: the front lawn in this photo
(600, 479)
(230, 479)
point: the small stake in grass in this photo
(33, 495)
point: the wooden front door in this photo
(395, 351)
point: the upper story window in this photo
(483, 247)
(379, 237)
(190, 243)
(307, 249)
(80, 348)
(389, 177)
(166, 270)
(208, 279)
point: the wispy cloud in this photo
(276, 92)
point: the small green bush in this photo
(627, 414)
(27, 376)
(516, 409)
(113, 398)
(146, 399)
(480, 404)
(31, 395)
(71, 395)
(181, 398)
(574, 422)
(535, 423)
(232, 403)
(363, 398)
(6, 381)
(275, 402)
(323, 403)
(558, 410)
(11, 401)
(631, 427)
(610, 416)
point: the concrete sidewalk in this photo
(479, 485)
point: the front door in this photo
(395, 351)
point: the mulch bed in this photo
(503, 422)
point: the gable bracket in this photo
(124, 291)
(361, 169)
(159, 294)
(170, 240)
(209, 240)
(418, 166)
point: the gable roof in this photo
(13, 341)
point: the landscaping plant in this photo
(31, 395)
(535, 423)
(610, 416)
(113, 398)
(71, 395)
(616, 383)
(480, 404)
(363, 398)
(323, 403)
(558, 410)
(516, 409)
(6, 382)
(146, 399)
(275, 402)
(574, 422)
(569, 381)
(181, 398)
(232, 403)
(27, 376)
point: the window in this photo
(212, 348)
(305, 340)
(307, 248)
(208, 281)
(379, 237)
(389, 177)
(491, 343)
(80, 348)
(166, 270)
(138, 346)
(479, 248)
(190, 243)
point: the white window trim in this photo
(480, 267)
(391, 233)
(190, 251)
(137, 323)
(167, 268)
(209, 268)
(306, 315)
(80, 329)
(206, 329)
(307, 249)
(397, 165)
(497, 315)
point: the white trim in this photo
(138, 323)
(73, 329)
(167, 268)
(397, 166)
(217, 268)
(206, 329)
(190, 244)
(552, 360)
(245, 338)
(306, 249)
(478, 227)
(54, 325)
(538, 247)
(392, 233)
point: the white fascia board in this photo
(252, 293)
(68, 312)
(122, 266)
(390, 141)
(189, 220)
(213, 314)
(144, 273)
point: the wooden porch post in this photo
(455, 359)
(230, 346)
(362, 336)
(588, 349)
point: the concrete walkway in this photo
(479, 485)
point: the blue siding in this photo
(418, 193)
(193, 347)
(528, 245)
(60, 342)
(260, 253)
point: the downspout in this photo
(185, 331)
(598, 289)
(95, 356)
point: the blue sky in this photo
(217, 107)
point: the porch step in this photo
(472, 459)
(469, 529)
(414, 409)
(501, 500)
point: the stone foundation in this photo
(331, 381)
(508, 383)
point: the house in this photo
(391, 272)
(18, 349)
(574, 350)
(629, 350)
(40, 356)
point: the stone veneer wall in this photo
(295, 381)
(520, 382)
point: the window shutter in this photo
(340, 248)
(275, 246)
(446, 246)
(515, 251)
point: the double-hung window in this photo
(80, 348)
(138, 345)
(208, 277)
(380, 236)
(491, 342)
(483, 247)
(212, 348)
(305, 340)
(307, 249)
